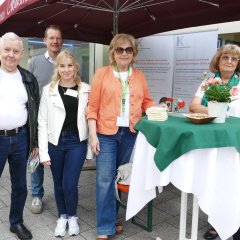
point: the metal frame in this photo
(148, 226)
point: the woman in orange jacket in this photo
(118, 97)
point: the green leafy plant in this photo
(216, 91)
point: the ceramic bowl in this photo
(199, 118)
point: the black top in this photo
(71, 108)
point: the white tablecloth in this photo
(212, 175)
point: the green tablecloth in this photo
(177, 136)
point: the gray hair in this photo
(10, 36)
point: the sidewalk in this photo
(166, 210)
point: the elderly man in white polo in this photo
(19, 101)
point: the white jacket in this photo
(51, 117)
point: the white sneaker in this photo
(36, 206)
(60, 229)
(73, 227)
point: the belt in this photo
(64, 133)
(11, 132)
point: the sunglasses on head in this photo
(127, 50)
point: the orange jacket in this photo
(106, 95)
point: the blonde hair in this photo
(225, 49)
(120, 39)
(56, 77)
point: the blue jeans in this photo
(37, 178)
(15, 149)
(67, 159)
(115, 150)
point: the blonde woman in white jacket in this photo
(62, 134)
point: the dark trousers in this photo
(236, 236)
(15, 150)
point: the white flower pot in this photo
(218, 109)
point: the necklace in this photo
(64, 92)
(65, 89)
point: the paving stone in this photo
(166, 211)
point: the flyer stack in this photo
(157, 113)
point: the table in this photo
(211, 171)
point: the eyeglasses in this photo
(55, 38)
(127, 50)
(226, 58)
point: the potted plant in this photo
(218, 96)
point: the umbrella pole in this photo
(115, 17)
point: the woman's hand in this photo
(93, 139)
(94, 143)
(47, 163)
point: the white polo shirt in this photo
(13, 101)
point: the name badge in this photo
(71, 92)
(123, 121)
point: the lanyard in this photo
(124, 88)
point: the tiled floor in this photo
(166, 209)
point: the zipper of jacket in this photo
(30, 129)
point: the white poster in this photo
(193, 53)
(155, 59)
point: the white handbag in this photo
(33, 164)
(123, 176)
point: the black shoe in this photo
(236, 236)
(21, 231)
(210, 234)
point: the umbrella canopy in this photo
(98, 20)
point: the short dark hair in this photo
(55, 27)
